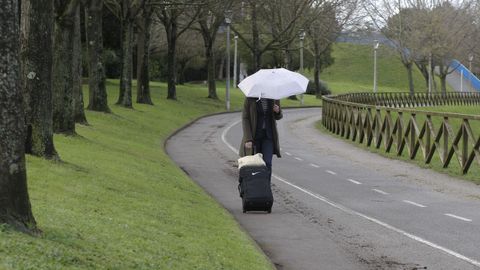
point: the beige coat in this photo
(249, 123)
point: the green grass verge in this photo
(117, 201)
(473, 110)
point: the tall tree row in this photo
(15, 208)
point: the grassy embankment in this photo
(116, 201)
(353, 70)
(352, 73)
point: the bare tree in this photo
(172, 16)
(127, 12)
(428, 32)
(15, 208)
(454, 26)
(143, 53)
(261, 15)
(210, 19)
(324, 24)
(443, 30)
(397, 21)
(36, 76)
(286, 25)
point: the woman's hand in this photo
(276, 108)
(248, 145)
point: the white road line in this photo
(380, 191)
(355, 182)
(330, 172)
(353, 212)
(381, 223)
(224, 135)
(288, 154)
(458, 217)
(414, 203)
(314, 165)
(299, 159)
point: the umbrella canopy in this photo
(274, 83)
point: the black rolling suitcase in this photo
(255, 188)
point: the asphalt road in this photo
(337, 206)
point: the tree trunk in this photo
(287, 61)
(122, 38)
(79, 111)
(210, 57)
(424, 70)
(63, 102)
(257, 55)
(287, 57)
(410, 78)
(36, 56)
(442, 73)
(182, 65)
(221, 68)
(172, 61)
(443, 81)
(143, 56)
(96, 67)
(15, 208)
(127, 63)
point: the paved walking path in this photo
(337, 206)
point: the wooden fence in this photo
(386, 119)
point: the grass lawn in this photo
(473, 110)
(117, 201)
(353, 70)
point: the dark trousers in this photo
(264, 145)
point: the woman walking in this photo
(260, 128)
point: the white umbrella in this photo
(275, 83)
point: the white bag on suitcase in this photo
(255, 160)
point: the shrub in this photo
(324, 90)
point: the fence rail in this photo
(387, 120)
